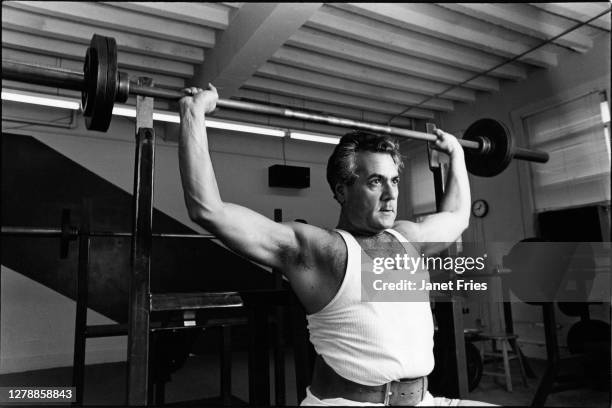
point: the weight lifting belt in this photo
(326, 383)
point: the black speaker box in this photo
(288, 176)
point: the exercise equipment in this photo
(170, 339)
(591, 339)
(68, 233)
(102, 80)
(489, 143)
(586, 333)
(474, 366)
(541, 266)
(497, 148)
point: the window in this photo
(576, 135)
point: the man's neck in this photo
(346, 225)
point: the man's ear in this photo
(340, 193)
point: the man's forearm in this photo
(457, 192)
(197, 175)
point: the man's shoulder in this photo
(410, 230)
(314, 237)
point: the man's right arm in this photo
(248, 233)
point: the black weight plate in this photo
(574, 308)
(97, 89)
(101, 114)
(90, 75)
(499, 156)
(111, 83)
(585, 333)
(525, 262)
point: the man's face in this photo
(370, 203)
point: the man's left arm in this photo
(436, 232)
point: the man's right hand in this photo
(197, 100)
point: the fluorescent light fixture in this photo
(605, 112)
(124, 110)
(173, 117)
(39, 99)
(130, 112)
(240, 127)
(314, 138)
(167, 116)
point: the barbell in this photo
(488, 144)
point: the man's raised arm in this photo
(245, 231)
(453, 218)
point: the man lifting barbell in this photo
(318, 263)
(369, 352)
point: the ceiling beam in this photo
(51, 27)
(425, 19)
(233, 4)
(526, 20)
(311, 61)
(130, 21)
(255, 33)
(64, 49)
(204, 14)
(579, 11)
(299, 103)
(341, 47)
(307, 92)
(349, 87)
(361, 28)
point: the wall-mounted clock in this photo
(480, 208)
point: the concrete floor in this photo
(199, 379)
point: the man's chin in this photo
(387, 221)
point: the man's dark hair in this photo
(341, 164)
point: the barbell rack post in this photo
(62, 78)
(138, 372)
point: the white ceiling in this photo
(366, 61)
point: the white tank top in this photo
(372, 343)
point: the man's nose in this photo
(390, 191)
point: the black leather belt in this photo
(326, 383)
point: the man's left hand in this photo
(447, 143)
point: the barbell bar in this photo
(489, 145)
(73, 232)
(68, 233)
